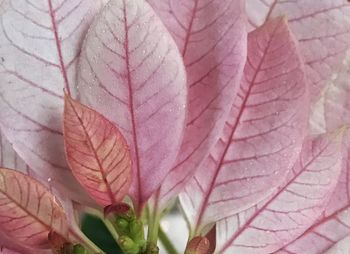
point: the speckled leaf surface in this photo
(264, 133)
(132, 72)
(211, 36)
(323, 31)
(293, 208)
(39, 46)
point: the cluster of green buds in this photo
(130, 230)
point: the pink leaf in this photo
(341, 247)
(28, 211)
(39, 47)
(9, 158)
(132, 72)
(333, 225)
(97, 153)
(263, 135)
(212, 39)
(323, 31)
(293, 208)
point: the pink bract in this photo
(132, 72)
(212, 39)
(263, 135)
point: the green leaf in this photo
(96, 231)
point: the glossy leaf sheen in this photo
(264, 133)
(211, 36)
(293, 208)
(323, 31)
(39, 47)
(97, 153)
(28, 211)
(131, 72)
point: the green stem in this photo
(168, 245)
(153, 228)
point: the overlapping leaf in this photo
(131, 72)
(212, 39)
(9, 158)
(97, 153)
(341, 247)
(39, 46)
(323, 30)
(263, 135)
(293, 208)
(28, 211)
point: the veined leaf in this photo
(39, 46)
(293, 208)
(323, 31)
(28, 211)
(332, 226)
(9, 158)
(97, 153)
(131, 72)
(211, 36)
(341, 247)
(263, 135)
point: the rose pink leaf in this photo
(39, 48)
(211, 36)
(323, 31)
(131, 72)
(263, 135)
(28, 211)
(9, 245)
(294, 207)
(97, 153)
(333, 224)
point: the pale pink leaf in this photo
(322, 28)
(293, 208)
(97, 153)
(39, 47)
(337, 103)
(333, 224)
(9, 158)
(211, 36)
(263, 136)
(341, 247)
(28, 211)
(131, 72)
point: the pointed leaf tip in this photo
(198, 245)
(262, 136)
(97, 153)
(28, 211)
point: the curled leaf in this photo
(131, 72)
(293, 208)
(97, 153)
(212, 38)
(28, 211)
(263, 135)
